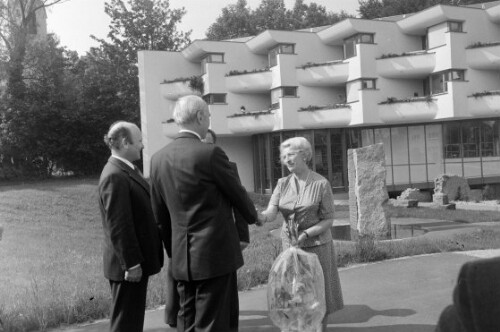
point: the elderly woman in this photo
(307, 197)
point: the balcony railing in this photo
(253, 82)
(251, 122)
(169, 128)
(407, 110)
(484, 57)
(484, 103)
(407, 65)
(327, 116)
(323, 74)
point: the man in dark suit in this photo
(193, 190)
(132, 242)
(172, 302)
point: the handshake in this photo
(261, 219)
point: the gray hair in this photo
(300, 144)
(187, 108)
(118, 131)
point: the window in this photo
(215, 98)
(214, 58)
(438, 80)
(471, 139)
(284, 91)
(280, 49)
(368, 84)
(211, 58)
(454, 26)
(350, 43)
(289, 91)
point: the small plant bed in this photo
(395, 55)
(480, 44)
(312, 108)
(485, 93)
(195, 82)
(394, 100)
(255, 114)
(319, 64)
(243, 72)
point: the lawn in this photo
(50, 253)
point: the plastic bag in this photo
(296, 291)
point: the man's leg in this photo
(217, 307)
(128, 305)
(172, 298)
(187, 311)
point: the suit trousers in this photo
(172, 298)
(128, 305)
(209, 305)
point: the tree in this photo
(370, 9)
(138, 25)
(17, 23)
(237, 20)
(34, 131)
(234, 22)
(18, 32)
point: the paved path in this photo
(400, 295)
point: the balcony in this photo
(251, 123)
(407, 110)
(323, 74)
(484, 104)
(176, 89)
(169, 128)
(484, 56)
(255, 82)
(326, 116)
(407, 65)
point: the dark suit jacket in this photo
(193, 190)
(476, 299)
(241, 224)
(131, 235)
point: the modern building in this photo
(426, 84)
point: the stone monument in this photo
(368, 193)
(456, 188)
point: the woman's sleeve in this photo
(326, 207)
(275, 197)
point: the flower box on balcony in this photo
(407, 110)
(250, 82)
(331, 73)
(407, 65)
(251, 122)
(338, 115)
(179, 87)
(483, 56)
(485, 103)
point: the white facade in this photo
(438, 65)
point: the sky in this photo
(75, 20)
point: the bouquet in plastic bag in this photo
(296, 288)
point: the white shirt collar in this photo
(191, 132)
(129, 164)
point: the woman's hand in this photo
(302, 237)
(261, 219)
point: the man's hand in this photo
(134, 274)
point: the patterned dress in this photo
(312, 204)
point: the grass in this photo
(51, 260)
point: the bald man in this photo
(132, 242)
